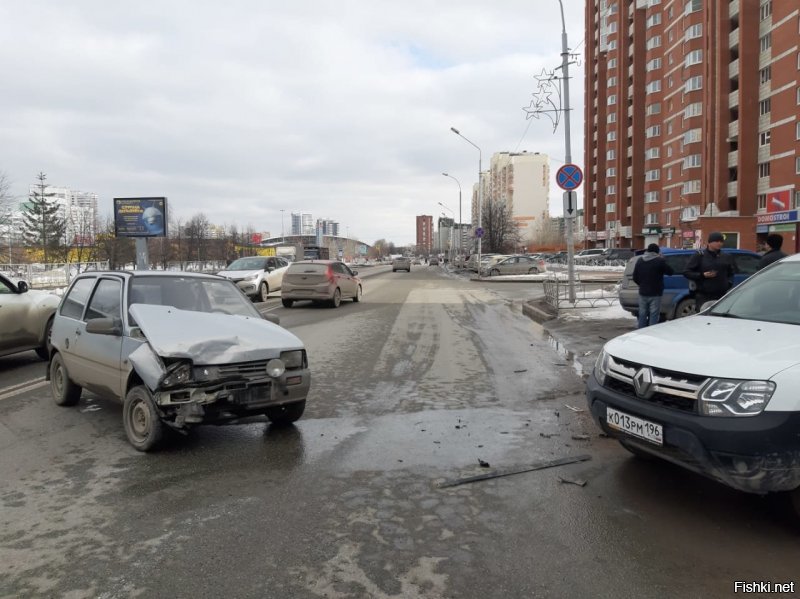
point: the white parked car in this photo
(717, 392)
(257, 276)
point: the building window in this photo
(611, 190)
(669, 128)
(691, 187)
(655, 108)
(765, 106)
(611, 155)
(693, 57)
(765, 42)
(611, 172)
(766, 10)
(668, 193)
(650, 197)
(798, 95)
(692, 136)
(653, 131)
(612, 81)
(612, 207)
(797, 131)
(612, 99)
(611, 118)
(651, 153)
(669, 151)
(651, 219)
(693, 161)
(669, 174)
(612, 45)
(693, 6)
(763, 169)
(653, 175)
(797, 166)
(611, 136)
(611, 27)
(612, 64)
(653, 87)
(761, 201)
(693, 84)
(653, 20)
(797, 199)
(653, 42)
(764, 138)
(694, 31)
(652, 65)
(765, 74)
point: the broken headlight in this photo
(178, 373)
(731, 397)
(601, 367)
(293, 359)
(206, 373)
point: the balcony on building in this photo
(733, 9)
(733, 69)
(733, 159)
(733, 130)
(733, 39)
(733, 99)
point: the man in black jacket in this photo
(648, 274)
(711, 270)
(774, 241)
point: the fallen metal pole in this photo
(499, 473)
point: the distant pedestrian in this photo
(648, 274)
(774, 253)
(711, 270)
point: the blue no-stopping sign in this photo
(569, 177)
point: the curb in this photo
(538, 311)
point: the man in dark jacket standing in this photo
(648, 274)
(711, 270)
(774, 241)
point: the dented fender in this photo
(148, 366)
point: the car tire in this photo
(685, 308)
(639, 453)
(287, 303)
(263, 291)
(357, 296)
(494, 272)
(533, 271)
(337, 298)
(44, 351)
(394, 270)
(65, 392)
(287, 413)
(143, 425)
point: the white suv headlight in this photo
(731, 397)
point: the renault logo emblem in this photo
(643, 383)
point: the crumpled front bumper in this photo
(757, 454)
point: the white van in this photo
(718, 392)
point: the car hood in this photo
(211, 338)
(713, 346)
(239, 274)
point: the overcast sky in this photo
(241, 109)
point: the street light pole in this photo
(460, 249)
(283, 234)
(480, 188)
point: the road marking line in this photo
(23, 387)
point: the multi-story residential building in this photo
(522, 181)
(303, 224)
(329, 227)
(691, 121)
(425, 234)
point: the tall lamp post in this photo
(451, 233)
(283, 234)
(480, 187)
(460, 252)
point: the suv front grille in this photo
(674, 390)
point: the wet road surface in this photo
(428, 376)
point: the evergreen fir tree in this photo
(41, 224)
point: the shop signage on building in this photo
(788, 216)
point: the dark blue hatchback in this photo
(678, 299)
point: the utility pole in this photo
(567, 152)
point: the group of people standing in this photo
(710, 270)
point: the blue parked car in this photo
(678, 299)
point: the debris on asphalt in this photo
(483, 463)
(499, 473)
(580, 437)
(603, 435)
(586, 353)
(548, 435)
(523, 370)
(579, 482)
(573, 408)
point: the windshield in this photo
(254, 263)
(773, 295)
(191, 293)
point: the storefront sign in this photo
(789, 216)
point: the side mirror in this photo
(269, 269)
(104, 326)
(355, 272)
(22, 287)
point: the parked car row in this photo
(522, 264)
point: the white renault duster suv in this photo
(717, 393)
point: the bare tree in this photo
(500, 231)
(119, 251)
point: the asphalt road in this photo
(429, 376)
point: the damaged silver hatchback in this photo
(177, 349)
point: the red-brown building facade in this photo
(691, 122)
(424, 234)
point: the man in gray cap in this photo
(711, 270)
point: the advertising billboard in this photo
(140, 217)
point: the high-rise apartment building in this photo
(424, 234)
(522, 181)
(691, 121)
(303, 224)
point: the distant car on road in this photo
(434, 261)
(589, 256)
(26, 316)
(177, 349)
(327, 281)
(678, 299)
(257, 276)
(401, 263)
(517, 265)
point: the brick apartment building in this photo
(425, 234)
(692, 122)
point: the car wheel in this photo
(263, 291)
(533, 271)
(685, 308)
(394, 270)
(337, 298)
(143, 425)
(639, 453)
(494, 272)
(286, 414)
(65, 392)
(357, 296)
(44, 351)
(287, 303)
